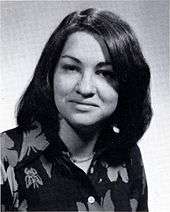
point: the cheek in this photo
(63, 85)
(107, 94)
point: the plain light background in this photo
(26, 26)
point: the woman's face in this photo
(84, 90)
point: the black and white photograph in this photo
(85, 105)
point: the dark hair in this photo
(133, 113)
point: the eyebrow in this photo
(72, 58)
(99, 65)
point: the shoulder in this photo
(19, 146)
(135, 154)
(136, 166)
(138, 179)
(18, 149)
(11, 143)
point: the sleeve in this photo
(139, 188)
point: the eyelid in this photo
(105, 70)
(70, 66)
(71, 63)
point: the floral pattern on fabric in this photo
(3, 176)
(8, 154)
(33, 141)
(81, 206)
(23, 206)
(11, 178)
(113, 173)
(39, 185)
(32, 178)
(134, 204)
(107, 202)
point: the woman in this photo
(79, 120)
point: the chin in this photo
(84, 121)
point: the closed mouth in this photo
(85, 103)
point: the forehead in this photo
(86, 46)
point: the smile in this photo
(84, 106)
(83, 103)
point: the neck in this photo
(80, 142)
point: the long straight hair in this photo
(133, 113)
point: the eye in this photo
(106, 74)
(68, 67)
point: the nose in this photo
(85, 85)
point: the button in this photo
(91, 199)
(116, 130)
(100, 180)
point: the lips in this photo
(86, 103)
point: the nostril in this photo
(89, 95)
(85, 94)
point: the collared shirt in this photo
(32, 182)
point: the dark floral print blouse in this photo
(31, 182)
